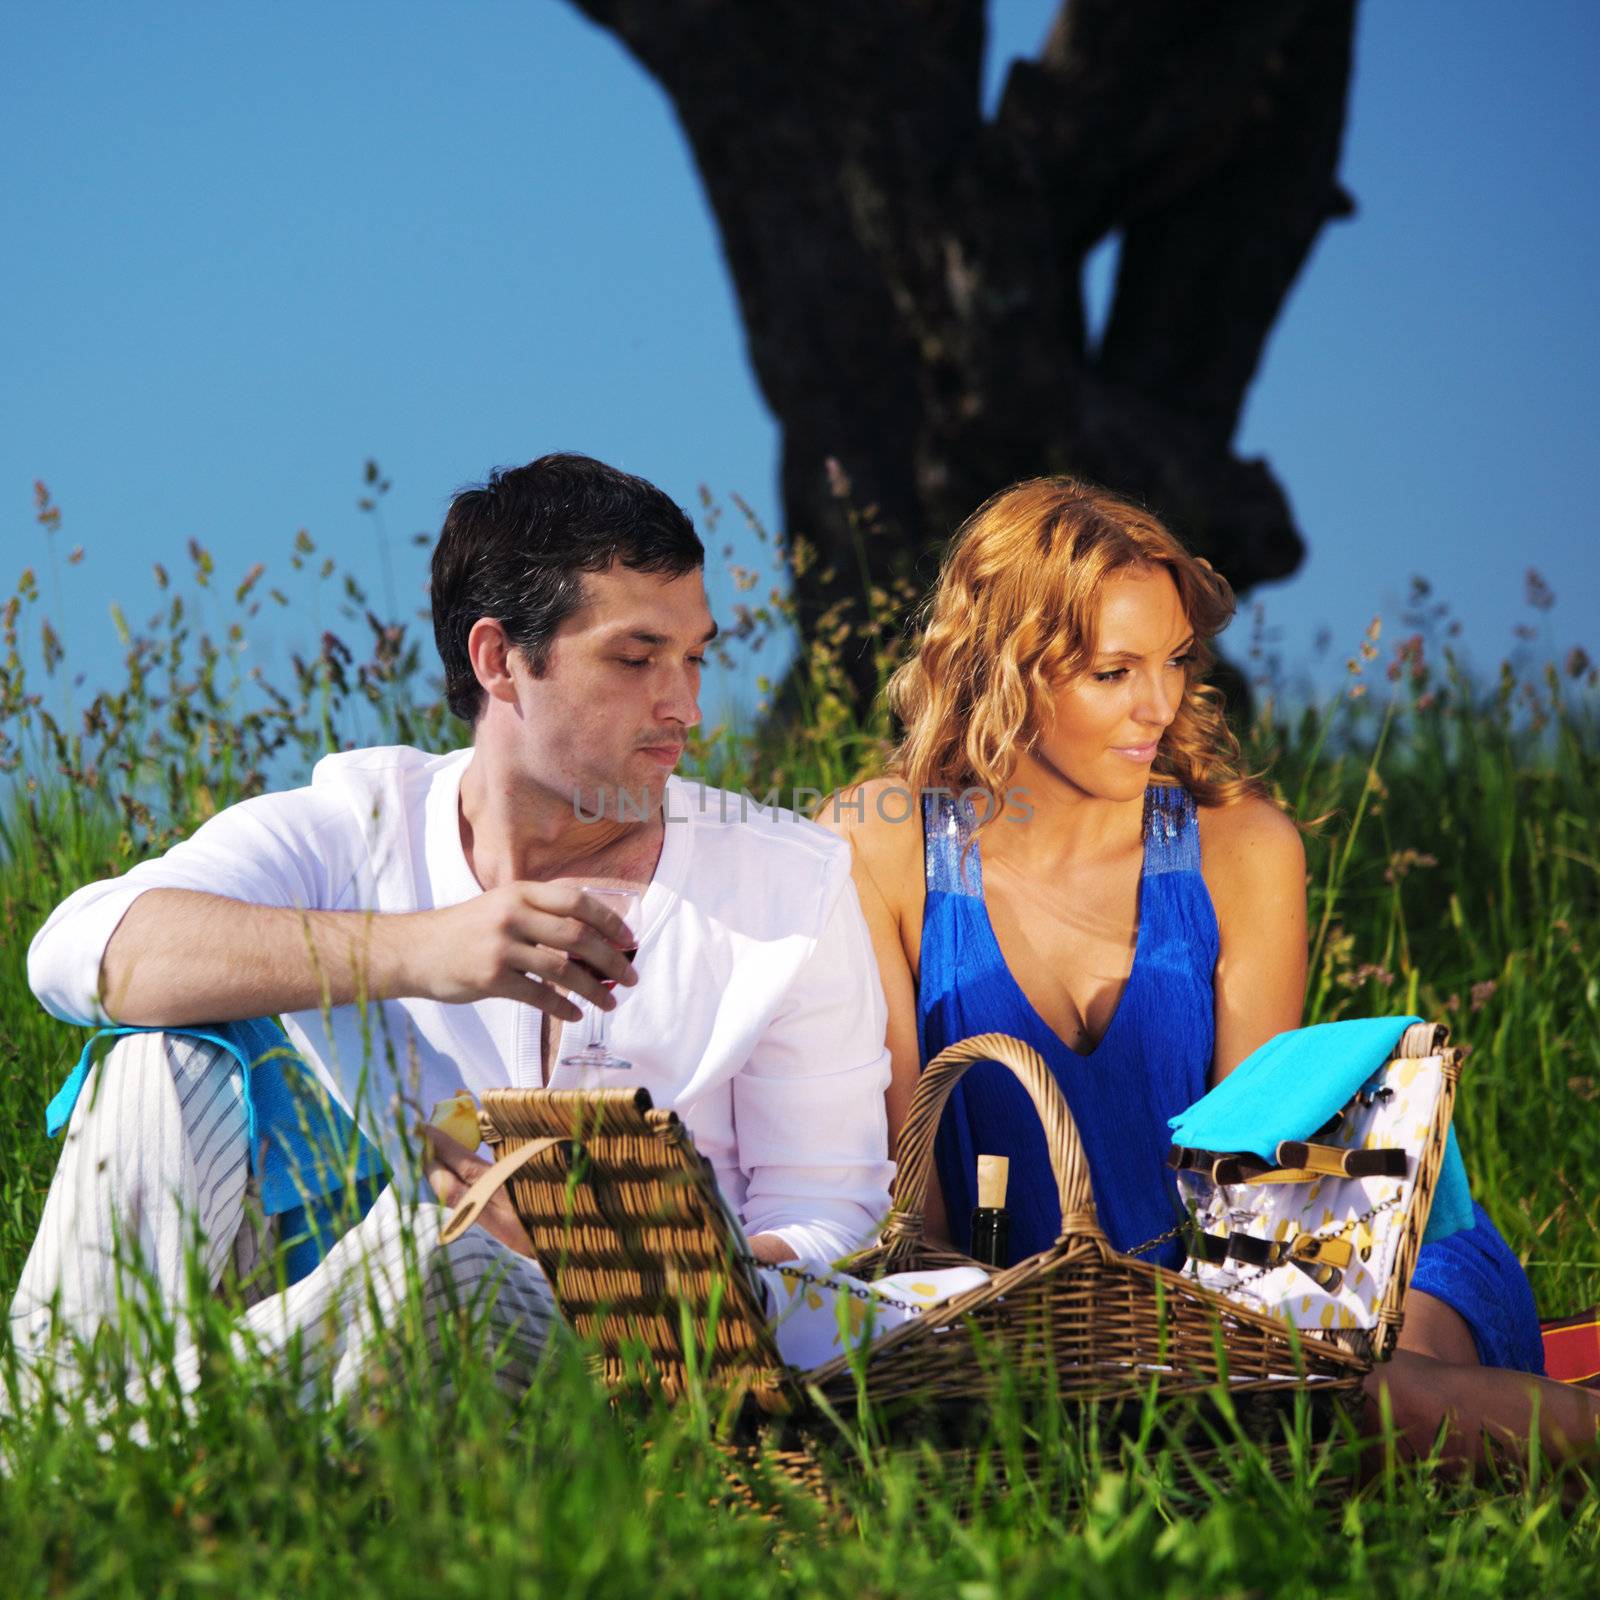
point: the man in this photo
(421, 924)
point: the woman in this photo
(1095, 874)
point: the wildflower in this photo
(1402, 862)
(1368, 970)
(1408, 653)
(1482, 993)
(1538, 593)
(48, 516)
(1577, 662)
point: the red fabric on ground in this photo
(1572, 1348)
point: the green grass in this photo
(1457, 875)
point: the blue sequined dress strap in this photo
(1171, 839)
(1171, 834)
(947, 828)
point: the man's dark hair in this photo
(516, 548)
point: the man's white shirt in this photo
(759, 1016)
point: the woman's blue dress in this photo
(1151, 1063)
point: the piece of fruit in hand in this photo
(458, 1117)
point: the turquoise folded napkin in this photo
(1294, 1084)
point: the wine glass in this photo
(1235, 1219)
(594, 1054)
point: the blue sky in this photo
(246, 248)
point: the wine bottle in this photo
(991, 1222)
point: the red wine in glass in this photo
(630, 951)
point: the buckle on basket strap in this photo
(1322, 1260)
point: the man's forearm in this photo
(180, 957)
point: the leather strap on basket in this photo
(470, 1206)
(902, 1232)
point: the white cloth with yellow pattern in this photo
(819, 1312)
(1368, 1214)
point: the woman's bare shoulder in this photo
(880, 819)
(1249, 844)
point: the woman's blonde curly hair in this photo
(1012, 618)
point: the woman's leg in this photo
(1434, 1380)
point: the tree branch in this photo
(1204, 275)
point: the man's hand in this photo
(515, 942)
(769, 1249)
(452, 1169)
(180, 956)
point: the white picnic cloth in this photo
(814, 1321)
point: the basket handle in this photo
(470, 1206)
(902, 1232)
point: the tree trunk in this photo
(910, 274)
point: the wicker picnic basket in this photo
(650, 1270)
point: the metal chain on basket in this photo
(858, 1291)
(874, 1297)
(870, 1296)
(1349, 1227)
(862, 1292)
(1365, 1217)
(1175, 1232)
